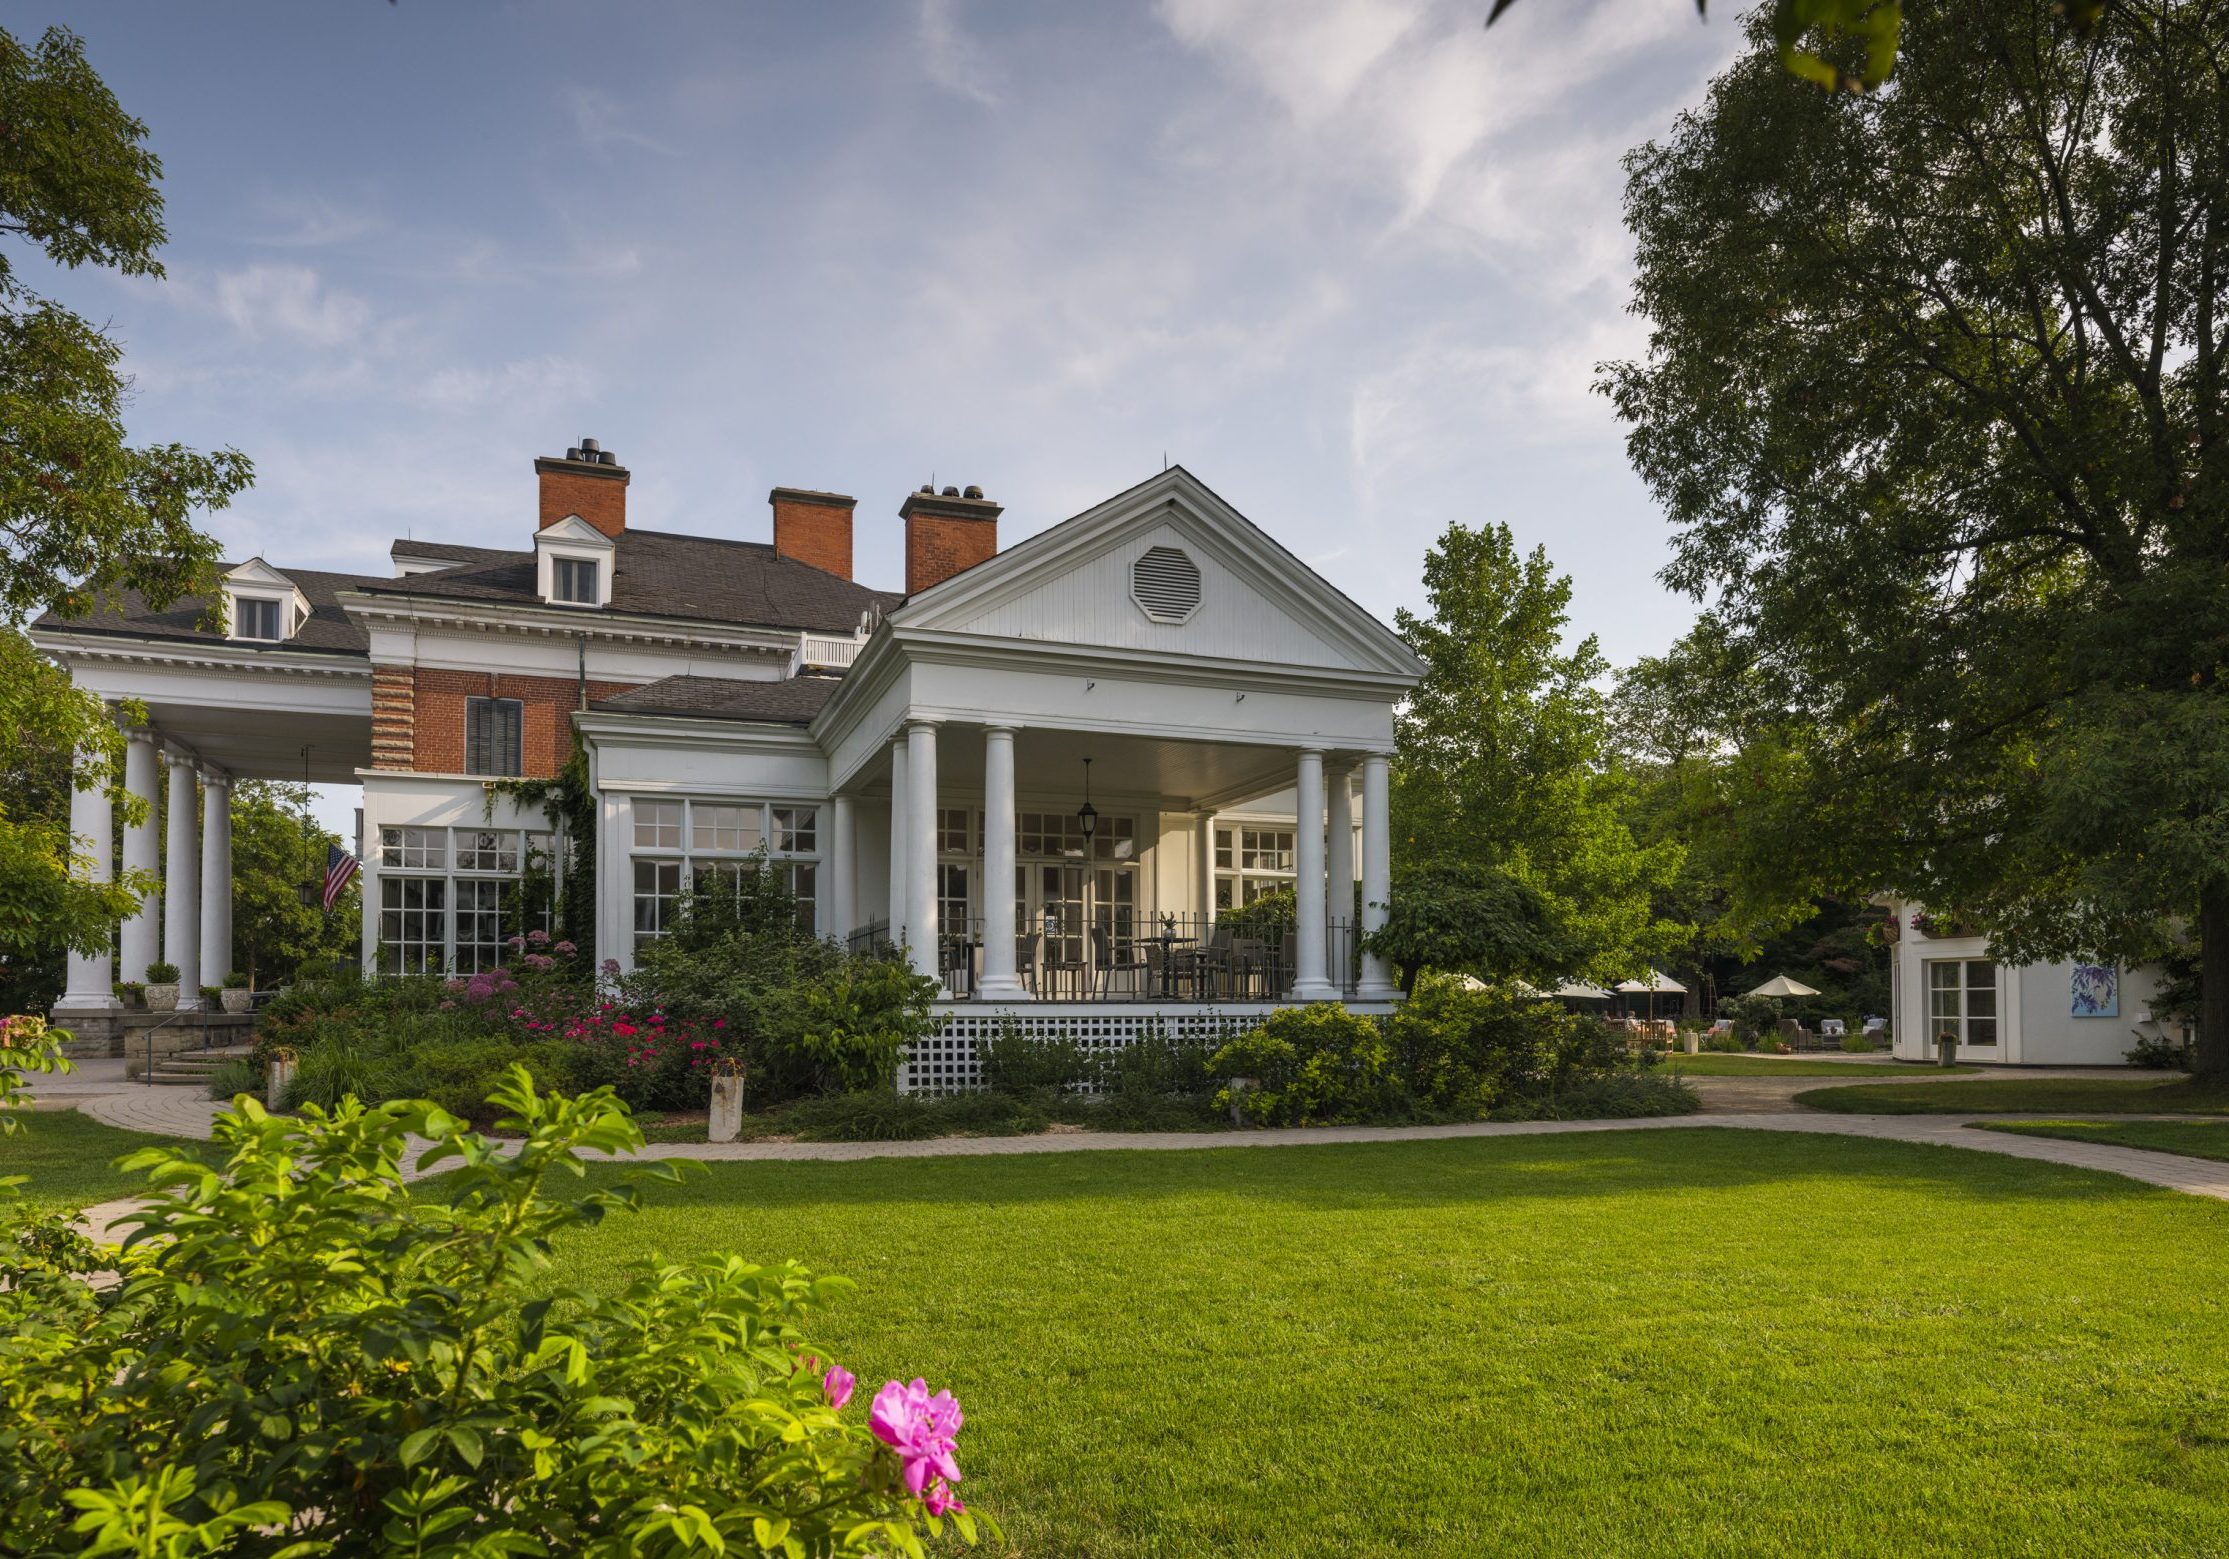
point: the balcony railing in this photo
(1162, 958)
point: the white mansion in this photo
(1042, 769)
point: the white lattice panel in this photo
(945, 1062)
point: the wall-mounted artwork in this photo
(2097, 991)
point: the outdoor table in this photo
(1168, 942)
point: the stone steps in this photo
(193, 1068)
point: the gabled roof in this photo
(791, 702)
(449, 551)
(657, 574)
(1072, 584)
(327, 628)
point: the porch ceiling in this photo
(1051, 762)
(267, 744)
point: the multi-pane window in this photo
(415, 849)
(575, 579)
(952, 830)
(479, 923)
(1962, 999)
(1251, 862)
(449, 897)
(707, 844)
(414, 924)
(494, 731)
(728, 828)
(260, 619)
(488, 850)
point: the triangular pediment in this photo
(1165, 568)
(572, 531)
(255, 573)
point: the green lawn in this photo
(1727, 1064)
(2193, 1139)
(67, 1156)
(1678, 1341)
(2068, 1097)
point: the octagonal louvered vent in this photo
(1165, 584)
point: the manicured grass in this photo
(2193, 1139)
(2069, 1097)
(68, 1157)
(1727, 1064)
(1656, 1342)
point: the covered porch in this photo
(1141, 870)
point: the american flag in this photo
(339, 867)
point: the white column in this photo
(1338, 871)
(1204, 868)
(843, 869)
(182, 884)
(921, 926)
(1377, 871)
(1309, 982)
(93, 844)
(898, 839)
(1000, 982)
(142, 935)
(216, 878)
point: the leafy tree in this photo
(83, 514)
(276, 848)
(1500, 764)
(1935, 402)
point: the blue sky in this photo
(1352, 262)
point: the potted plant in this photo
(1946, 1049)
(209, 997)
(162, 987)
(236, 995)
(131, 993)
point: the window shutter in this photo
(1166, 584)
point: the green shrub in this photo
(236, 1076)
(162, 974)
(1462, 1048)
(302, 1357)
(460, 1074)
(237, 980)
(2160, 1055)
(1156, 1067)
(1617, 1096)
(1320, 1063)
(1724, 1041)
(878, 1116)
(353, 1065)
(1855, 1043)
(1013, 1063)
(1751, 1015)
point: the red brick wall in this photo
(420, 711)
(939, 546)
(813, 528)
(597, 494)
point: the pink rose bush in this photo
(922, 1430)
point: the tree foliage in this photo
(276, 848)
(1934, 399)
(1500, 759)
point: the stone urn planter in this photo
(236, 999)
(163, 998)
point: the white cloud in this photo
(263, 301)
(535, 382)
(953, 59)
(604, 127)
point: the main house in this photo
(1041, 769)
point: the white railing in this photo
(822, 651)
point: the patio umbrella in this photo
(1781, 985)
(1657, 981)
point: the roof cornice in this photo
(223, 655)
(600, 623)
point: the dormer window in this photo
(575, 579)
(259, 620)
(573, 563)
(262, 605)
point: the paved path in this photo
(1730, 1103)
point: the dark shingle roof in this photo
(452, 552)
(791, 702)
(327, 628)
(662, 575)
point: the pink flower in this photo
(514, 941)
(940, 1500)
(837, 1383)
(609, 966)
(623, 1029)
(919, 1428)
(719, 1023)
(566, 948)
(537, 936)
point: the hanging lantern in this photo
(1087, 818)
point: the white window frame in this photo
(1958, 1017)
(451, 857)
(576, 541)
(781, 833)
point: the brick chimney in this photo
(813, 528)
(945, 533)
(589, 481)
